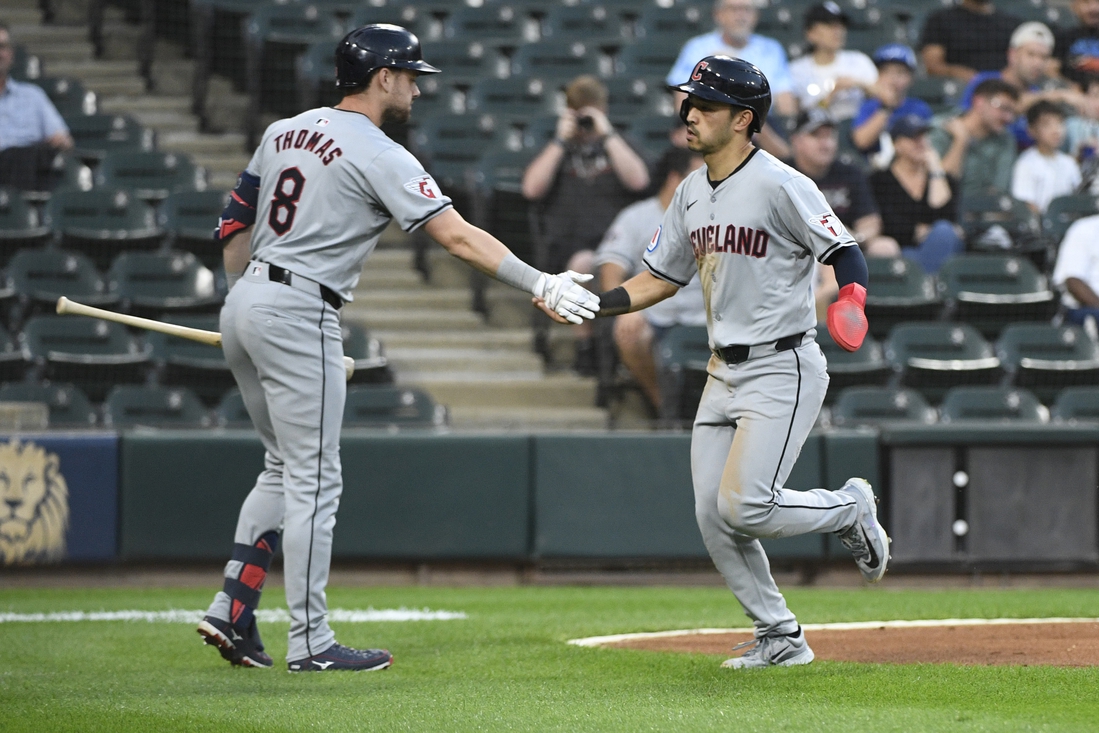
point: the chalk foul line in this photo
(273, 615)
(845, 626)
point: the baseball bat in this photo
(213, 338)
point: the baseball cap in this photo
(1032, 32)
(811, 120)
(895, 53)
(826, 12)
(908, 126)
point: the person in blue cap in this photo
(889, 100)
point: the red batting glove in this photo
(846, 319)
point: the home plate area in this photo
(1062, 642)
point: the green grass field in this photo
(506, 667)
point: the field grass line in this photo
(271, 615)
(842, 626)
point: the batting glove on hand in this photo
(846, 320)
(564, 295)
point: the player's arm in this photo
(846, 317)
(234, 229)
(639, 292)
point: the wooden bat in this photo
(213, 338)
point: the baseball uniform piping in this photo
(789, 428)
(662, 276)
(317, 494)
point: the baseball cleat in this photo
(340, 657)
(786, 650)
(866, 539)
(245, 651)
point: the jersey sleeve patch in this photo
(655, 241)
(828, 222)
(424, 186)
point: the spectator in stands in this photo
(1077, 49)
(918, 196)
(1043, 172)
(1082, 128)
(969, 37)
(619, 258)
(830, 76)
(1028, 63)
(583, 177)
(1077, 270)
(976, 146)
(31, 130)
(888, 101)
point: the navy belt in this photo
(284, 276)
(738, 353)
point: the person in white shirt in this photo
(1043, 172)
(830, 76)
(1077, 270)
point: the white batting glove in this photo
(564, 295)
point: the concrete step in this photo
(511, 339)
(557, 390)
(390, 258)
(36, 33)
(96, 70)
(221, 180)
(523, 419)
(194, 142)
(432, 360)
(422, 297)
(233, 163)
(166, 122)
(413, 319)
(54, 53)
(23, 16)
(146, 103)
(374, 279)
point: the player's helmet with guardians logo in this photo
(727, 80)
(376, 46)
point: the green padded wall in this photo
(849, 453)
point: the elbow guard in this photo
(240, 212)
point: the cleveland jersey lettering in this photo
(736, 240)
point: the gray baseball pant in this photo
(752, 421)
(286, 352)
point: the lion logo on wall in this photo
(34, 504)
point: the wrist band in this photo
(613, 303)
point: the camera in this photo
(586, 123)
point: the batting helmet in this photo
(728, 81)
(376, 46)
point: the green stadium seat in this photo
(631, 98)
(1045, 358)
(371, 364)
(450, 147)
(992, 404)
(200, 367)
(1053, 15)
(940, 92)
(26, 66)
(316, 75)
(12, 363)
(538, 132)
(990, 291)
(465, 61)
(510, 99)
(1077, 404)
(590, 24)
(156, 407)
(151, 176)
(932, 357)
(189, 218)
(155, 282)
(672, 26)
(39, 277)
(20, 224)
(980, 215)
(231, 412)
(103, 222)
(500, 205)
(876, 405)
(652, 133)
(388, 406)
(498, 24)
(1063, 211)
(867, 366)
(899, 291)
(681, 360)
(69, 406)
(96, 135)
(95, 355)
(556, 61)
(779, 17)
(69, 96)
(650, 61)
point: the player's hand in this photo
(566, 125)
(846, 319)
(541, 305)
(564, 295)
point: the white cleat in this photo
(788, 650)
(866, 539)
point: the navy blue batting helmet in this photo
(376, 46)
(732, 81)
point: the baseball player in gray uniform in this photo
(301, 221)
(751, 227)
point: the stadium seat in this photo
(1074, 404)
(932, 357)
(1063, 211)
(231, 412)
(154, 282)
(371, 364)
(899, 291)
(465, 61)
(189, 218)
(556, 61)
(26, 66)
(40, 276)
(1045, 358)
(867, 366)
(651, 134)
(493, 23)
(987, 218)
(95, 355)
(20, 225)
(12, 363)
(69, 407)
(499, 205)
(876, 405)
(450, 146)
(592, 24)
(69, 96)
(150, 176)
(995, 404)
(97, 135)
(990, 291)
(671, 26)
(631, 98)
(681, 360)
(538, 132)
(510, 99)
(649, 61)
(159, 407)
(940, 92)
(386, 406)
(192, 364)
(103, 222)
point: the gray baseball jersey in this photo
(330, 182)
(752, 239)
(624, 245)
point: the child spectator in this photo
(1043, 172)
(829, 76)
(1082, 129)
(888, 101)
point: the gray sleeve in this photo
(405, 189)
(622, 245)
(669, 255)
(802, 209)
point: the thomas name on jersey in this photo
(729, 239)
(310, 141)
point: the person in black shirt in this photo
(962, 40)
(1077, 48)
(918, 197)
